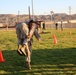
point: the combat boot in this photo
(23, 50)
(28, 65)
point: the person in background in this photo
(56, 26)
(61, 26)
(44, 25)
(25, 39)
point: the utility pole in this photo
(69, 12)
(32, 10)
(18, 16)
(52, 13)
(29, 12)
(70, 17)
(7, 22)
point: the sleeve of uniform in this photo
(36, 34)
(32, 30)
(18, 31)
(25, 29)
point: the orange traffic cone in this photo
(1, 57)
(55, 40)
(70, 32)
(53, 36)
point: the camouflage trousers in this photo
(28, 52)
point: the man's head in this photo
(32, 22)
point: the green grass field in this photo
(47, 58)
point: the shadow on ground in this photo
(44, 61)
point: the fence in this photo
(64, 25)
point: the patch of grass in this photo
(47, 58)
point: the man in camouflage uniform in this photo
(24, 35)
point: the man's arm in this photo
(37, 35)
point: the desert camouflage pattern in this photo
(21, 31)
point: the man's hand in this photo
(39, 40)
(28, 36)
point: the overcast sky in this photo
(40, 6)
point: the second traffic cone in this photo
(70, 32)
(1, 57)
(55, 40)
(53, 36)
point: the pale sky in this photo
(40, 6)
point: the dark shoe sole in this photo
(19, 53)
(28, 65)
(23, 52)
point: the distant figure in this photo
(44, 25)
(56, 25)
(61, 26)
